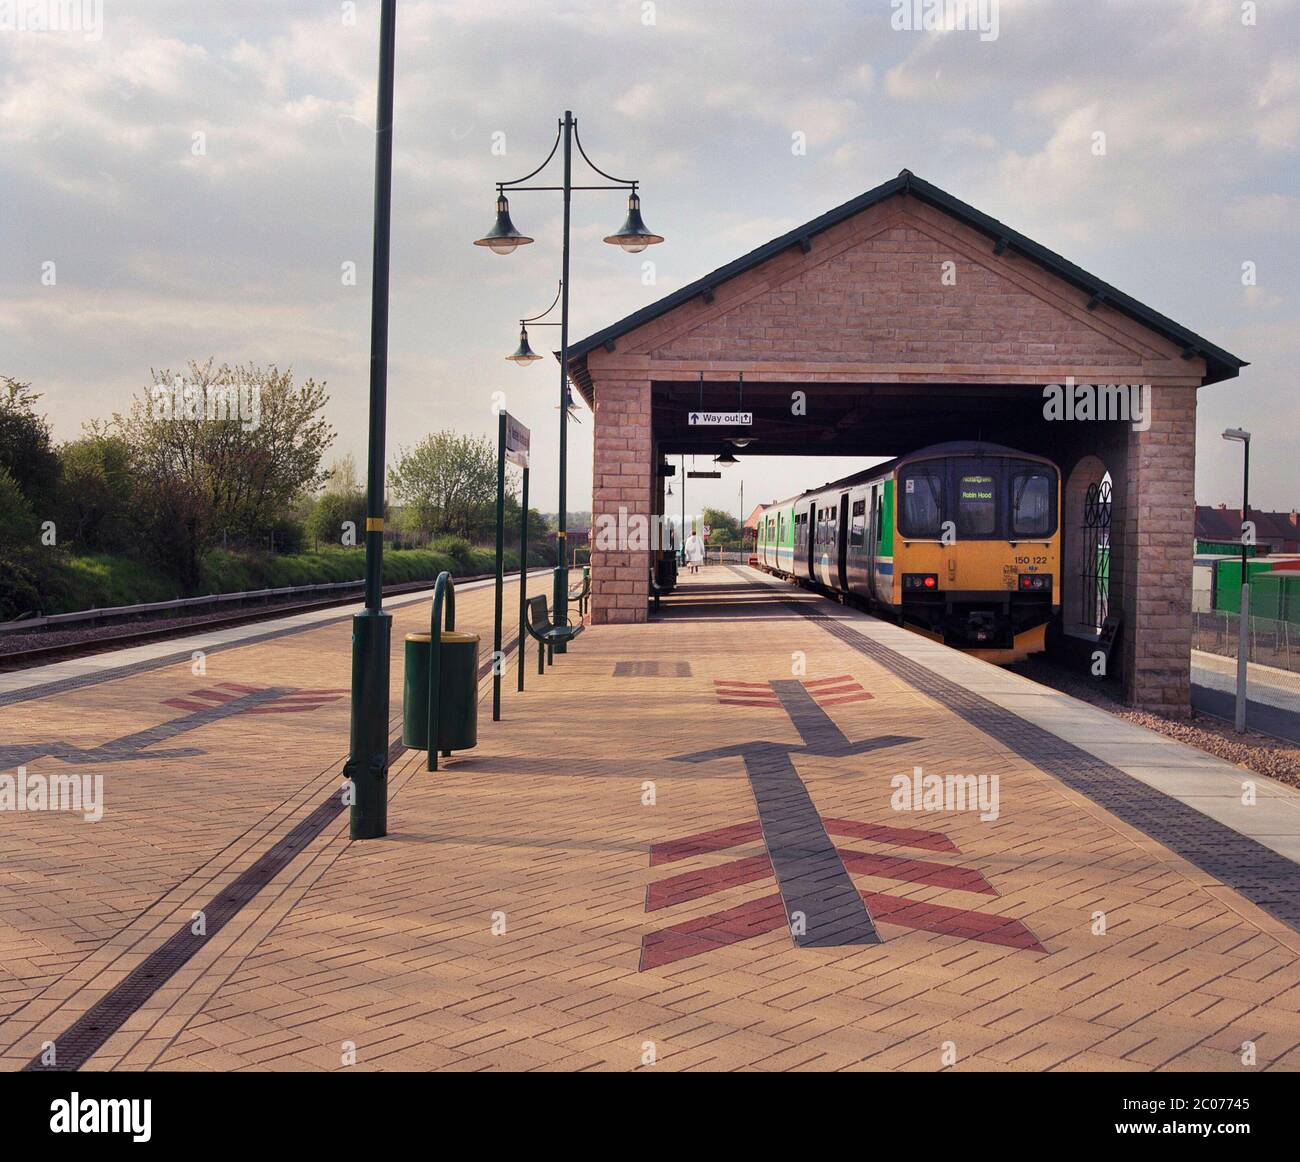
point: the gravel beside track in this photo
(1261, 753)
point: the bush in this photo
(289, 533)
(458, 549)
(55, 581)
(19, 528)
(95, 508)
(20, 594)
(26, 448)
(21, 557)
(330, 511)
(228, 572)
(101, 580)
(223, 571)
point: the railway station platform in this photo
(760, 831)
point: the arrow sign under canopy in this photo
(721, 419)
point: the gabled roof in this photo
(1217, 524)
(1224, 524)
(1220, 364)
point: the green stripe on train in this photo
(887, 532)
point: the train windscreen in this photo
(985, 498)
(921, 505)
(1033, 502)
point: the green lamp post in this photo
(367, 765)
(504, 238)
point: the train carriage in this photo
(960, 541)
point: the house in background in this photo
(1218, 530)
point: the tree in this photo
(539, 548)
(96, 492)
(332, 512)
(725, 528)
(342, 502)
(26, 447)
(19, 529)
(447, 484)
(342, 476)
(222, 455)
(20, 564)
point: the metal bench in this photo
(546, 634)
(657, 590)
(583, 591)
(663, 578)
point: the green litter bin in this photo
(457, 692)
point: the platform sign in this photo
(517, 437)
(721, 419)
(512, 447)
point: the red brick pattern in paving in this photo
(503, 924)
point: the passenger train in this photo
(958, 541)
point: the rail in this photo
(126, 612)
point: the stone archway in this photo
(1086, 591)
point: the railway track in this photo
(110, 639)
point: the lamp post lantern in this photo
(1241, 436)
(524, 354)
(504, 238)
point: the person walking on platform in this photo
(694, 551)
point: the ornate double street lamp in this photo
(503, 238)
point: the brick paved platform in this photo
(687, 846)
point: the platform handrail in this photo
(444, 610)
(44, 621)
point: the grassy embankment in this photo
(98, 581)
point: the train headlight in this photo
(1035, 582)
(920, 582)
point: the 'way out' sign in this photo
(721, 419)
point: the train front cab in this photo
(994, 588)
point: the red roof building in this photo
(1280, 531)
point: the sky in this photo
(200, 174)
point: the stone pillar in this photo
(1156, 497)
(622, 472)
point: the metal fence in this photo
(1273, 642)
(1272, 672)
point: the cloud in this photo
(165, 253)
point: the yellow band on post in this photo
(560, 534)
(374, 524)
